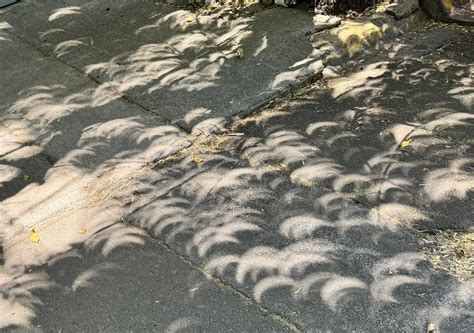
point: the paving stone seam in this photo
(281, 319)
(122, 97)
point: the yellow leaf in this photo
(191, 18)
(82, 230)
(240, 53)
(197, 159)
(431, 328)
(34, 237)
(405, 143)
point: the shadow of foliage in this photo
(309, 209)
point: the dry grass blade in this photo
(450, 251)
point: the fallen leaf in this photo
(197, 159)
(431, 328)
(26, 178)
(240, 53)
(34, 237)
(191, 18)
(405, 143)
(82, 230)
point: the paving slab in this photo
(151, 53)
(62, 132)
(136, 287)
(23, 67)
(316, 209)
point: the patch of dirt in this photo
(450, 251)
(211, 144)
(229, 11)
(346, 7)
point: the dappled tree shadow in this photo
(308, 207)
(314, 208)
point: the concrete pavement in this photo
(186, 72)
(309, 215)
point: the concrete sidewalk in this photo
(95, 88)
(75, 131)
(305, 216)
(91, 99)
(186, 71)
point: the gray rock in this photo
(400, 9)
(323, 22)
